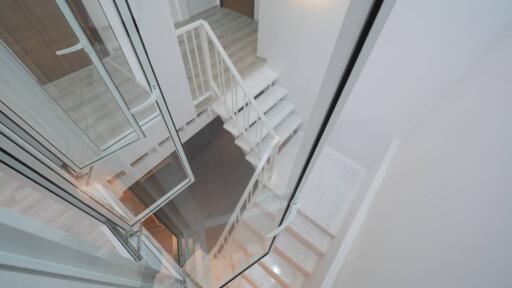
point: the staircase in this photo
(256, 111)
(293, 256)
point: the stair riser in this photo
(251, 134)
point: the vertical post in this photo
(206, 55)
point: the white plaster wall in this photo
(106, 19)
(256, 9)
(154, 19)
(442, 216)
(197, 6)
(424, 45)
(297, 38)
(179, 10)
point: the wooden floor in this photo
(238, 35)
(85, 98)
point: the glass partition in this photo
(55, 240)
(73, 89)
(109, 136)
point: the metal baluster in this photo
(198, 62)
(235, 90)
(218, 71)
(233, 100)
(191, 66)
(223, 83)
(206, 55)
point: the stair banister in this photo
(204, 26)
(236, 216)
(265, 165)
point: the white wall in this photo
(156, 25)
(109, 24)
(256, 9)
(297, 38)
(442, 216)
(179, 10)
(197, 6)
(424, 45)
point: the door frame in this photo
(20, 155)
(221, 4)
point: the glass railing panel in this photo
(60, 103)
(115, 52)
(34, 207)
(60, 234)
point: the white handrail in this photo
(234, 106)
(203, 27)
(235, 218)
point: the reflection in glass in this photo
(62, 106)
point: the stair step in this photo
(284, 130)
(247, 68)
(307, 232)
(289, 248)
(260, 278)
(240, 260)
(296, 253)
(275, 116)
(279, 269)
(240, 282)
(244, 238)
(255, 83)
(265, 102)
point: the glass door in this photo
(74, 92)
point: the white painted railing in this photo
(259, 178)
(212, 74)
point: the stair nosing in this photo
(219, 108)
(244, 144)
(276, 90)
(282, 254)
(252, 156)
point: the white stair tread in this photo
(265, 102)
(300, 227)
(301, 256)
(282, 269)
(239, 282)
(310, 232)
(260, 79)
(260, 278)
(283, 130)
(252, 244)
(240, 260)
(275, 116)
(255, 83)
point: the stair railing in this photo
(221, 78)
(212, 73)
(258, 179)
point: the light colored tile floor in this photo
(44, 208)
(85, 98)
